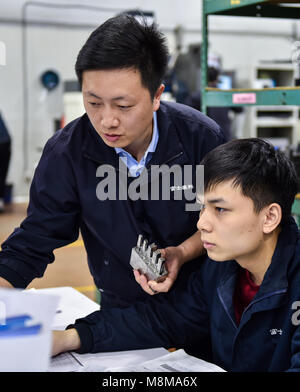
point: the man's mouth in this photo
(208, 245)
(111, 138)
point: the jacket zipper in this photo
(226, 309)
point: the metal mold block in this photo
(148, 260)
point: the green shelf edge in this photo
(279, 96)
(214, 6)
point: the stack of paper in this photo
(132, 361)
(177, 361)
(99, 362)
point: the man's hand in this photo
(174, 257)
(5, 284)
(65, 341)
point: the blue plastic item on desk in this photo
(15, 326)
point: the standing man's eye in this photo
(124, 107)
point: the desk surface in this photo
(73, 305)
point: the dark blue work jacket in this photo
(63, 200)
(267, 338)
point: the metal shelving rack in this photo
(242, 97)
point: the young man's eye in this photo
(220, 209)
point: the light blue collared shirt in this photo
(135, 168)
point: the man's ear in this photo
(156, 99)
(272, 218)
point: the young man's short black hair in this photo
(265, 174)
(123, 42)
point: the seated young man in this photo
(244, 299)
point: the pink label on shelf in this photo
(244, 98)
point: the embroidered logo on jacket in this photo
(275, 331)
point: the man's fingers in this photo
(153, 291)
(137, 275)
(140, 278)
(161, 287)
(163, 252)
(152, 287)
(143, 282)
(145, 285)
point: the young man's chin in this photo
(217, 257)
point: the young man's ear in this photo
(156, 99)
(272, 218)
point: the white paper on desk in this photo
(100, 362)
(72, 305)
(65, 362)
(31, 352)
(177, 361)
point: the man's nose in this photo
(109, 119)
(204, 222)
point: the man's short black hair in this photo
(123, 42)
(265, 174)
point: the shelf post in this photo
(204, 56)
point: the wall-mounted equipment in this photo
(50, 79)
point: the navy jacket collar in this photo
(276, 275)
(169, 145)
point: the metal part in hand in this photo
(148, 260)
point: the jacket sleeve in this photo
(52, 220)
(175, 319)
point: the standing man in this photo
(120, 69)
